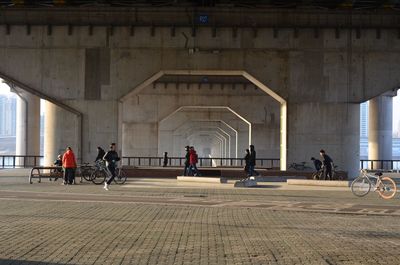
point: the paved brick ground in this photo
(40, 231)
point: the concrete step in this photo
(211, 179)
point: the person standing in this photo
(187, 161)
(111, 158)
(252, 160)
(327, 162)
(69, 165)
(165, 159)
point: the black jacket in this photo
(111, 157)
(252, 161)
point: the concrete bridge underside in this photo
(102, 80)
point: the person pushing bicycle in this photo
(327, 162)
(111, 157)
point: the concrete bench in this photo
(216, 179)
(325, 183)
(41, 172)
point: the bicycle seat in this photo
(378, 174)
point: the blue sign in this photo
(203, 19)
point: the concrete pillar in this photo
(334, 127)
(28, 125)
(380, 129)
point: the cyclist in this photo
(111, 158)
(327, 162)
(317, 163)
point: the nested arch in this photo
(282, 102)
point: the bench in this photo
(41, 172)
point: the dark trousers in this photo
(69, 175)
(327, 173)
(112, 171)
(186, 170)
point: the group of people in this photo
(326, 165)
(68, 163)
(191, 160)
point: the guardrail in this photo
(14, 161)
(203, 162)
(380, 164)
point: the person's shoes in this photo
(106, 186)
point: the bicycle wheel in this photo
(387, 188)
(360, 186)
(87, 174)
(120, 176)
(316, 175)
(98, 177)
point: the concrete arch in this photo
(192, 131)
(228, 110)
(252, 79)
(193, 125)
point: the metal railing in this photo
(380, 164)
(15, 161)
(203, 162)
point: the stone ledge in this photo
(326, 183)
(202, 179)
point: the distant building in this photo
(8, 115)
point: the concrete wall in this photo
(322, 75)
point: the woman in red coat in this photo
(69, 165)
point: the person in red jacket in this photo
(69, 165)
(193, 159)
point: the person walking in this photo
(252, 160)
(69, 166)
(193, 159)
(187, 161)
(327, 162)
(111, 157)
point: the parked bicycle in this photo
(299, 166)
(385, 186)
(86, 171)
(102, 172)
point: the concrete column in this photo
(380, 129)
(52, 133)
(28, 125)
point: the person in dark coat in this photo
(327, 162)
(100, 154)
(111, 158)
(317, 163)
(165, 160)
(252, 161)
(187, 162)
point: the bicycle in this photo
(86, 171)
(102, 172)
(385, 186)
(299, 166)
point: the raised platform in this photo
(211, 179)
(325, 183)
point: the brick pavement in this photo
(62, 232)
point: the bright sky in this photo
(4, 88)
